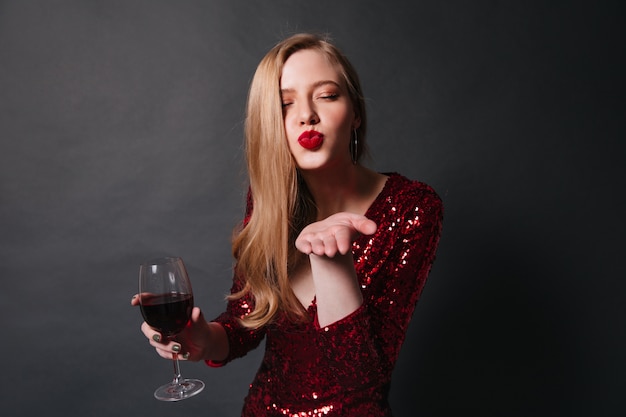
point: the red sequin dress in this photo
(344, 369)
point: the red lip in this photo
(311, 139)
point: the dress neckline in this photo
(382, 194)
(379, 198)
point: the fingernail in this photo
(176, 348)
(156, 337)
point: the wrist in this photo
(216, 346)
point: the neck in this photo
(352, 189)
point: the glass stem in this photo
(176, 369)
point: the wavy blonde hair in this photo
(282, 205)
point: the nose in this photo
(307, 114)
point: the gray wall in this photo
(120, 139)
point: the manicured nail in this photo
(156, 337)
(176, 348)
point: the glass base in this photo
(185, 388)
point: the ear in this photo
(356, 123)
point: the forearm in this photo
(336, 287)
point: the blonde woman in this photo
(331, 257)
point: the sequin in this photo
(345, 368)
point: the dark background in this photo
(120, 139)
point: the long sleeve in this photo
(392, 267)
(241, 340)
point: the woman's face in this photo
(317, 111)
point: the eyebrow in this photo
(316, 84)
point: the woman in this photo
(331, 256)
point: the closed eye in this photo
(329, 97)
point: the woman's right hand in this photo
(193, 343)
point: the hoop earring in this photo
(354, 148)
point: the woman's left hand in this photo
(334, 234)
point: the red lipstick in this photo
(311, 139)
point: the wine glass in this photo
(166, 301)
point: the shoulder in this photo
(405, 194)
(409, 208)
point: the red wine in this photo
(167, 313)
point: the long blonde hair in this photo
(264, 246)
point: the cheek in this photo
(289, 120)
(289, 129)
(291, 133)
(344, 120)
